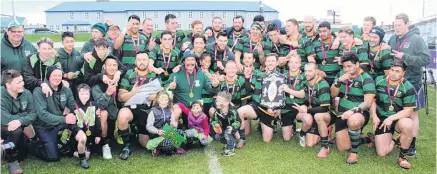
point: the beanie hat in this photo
(50, 69)
(103, 28)
(378, 31)
(256, 25)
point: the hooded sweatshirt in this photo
(22, 108)
(35, 71)
(50, 109)
(93, 71)
(104, 101)
(416, 53)
(15, 57)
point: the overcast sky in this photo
(352, 11)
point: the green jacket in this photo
(34, 73)
(15, 57)
(71, 63)
(88, 46)
(103, 101)
(22, 108)
(416, 54)
(50, 109)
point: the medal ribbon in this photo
(189, 81)
(402, 44)
(392, 98)
(83, 118)
(311, 94)
(323, 49)
(166, 64)
(295, 79)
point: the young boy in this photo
(226, 123)
(88, 130)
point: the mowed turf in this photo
(259, 157)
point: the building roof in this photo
(118, 6)
(6, 19)
(75, 22)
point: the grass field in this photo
(258, 157)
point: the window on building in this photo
(155, 15)
(87, 15)
(71, 15)
(99, 15)
(189, 26)
(201, 15)
(179, 14)
(179, 26)
(156, 26)
(58, 28)
(51, 27)
(190, 14)
(212, 14)
(167, 12)
(224, 15)
(144, 14)
(235, 14)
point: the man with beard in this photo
(196, 29)
(394, 104)
(98, 31)
(15, 50)
(309, 31)
(211, 32)
(171, 24)
(131, 41)
(71, 62)
(236, 32)
(317, 107)
(17, 114)
(94, 71)
(408, 45)
(147, 31)
(188, 83)
(324, 55)
(253, 44)
(130, 85)
(36, 66)
(379, 53)
(54, 115)
(348, 44)
(356, 90)
(220, 53)
(165, 58)
(257, 109)
(104, 96)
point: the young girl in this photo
(205, 63)
(160, 115)
(87, 131)
(197, 123)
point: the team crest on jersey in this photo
(197, 83)
(399, 94)
(63, 97)
(407, 45)
(27, 53)
(356, 84)
(77, 57)
(24, 105)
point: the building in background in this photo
(80, 16)
(6, 19)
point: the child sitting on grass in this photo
(160, 115)
(226, 123)
(198, 126)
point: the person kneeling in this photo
(160, 116)
(226, 118)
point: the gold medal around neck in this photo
(324, 62)
(391, 108)
(191, 95)
(88, 133)
(165, 73)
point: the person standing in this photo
(171, 24)
(71, 62)
(408, 45)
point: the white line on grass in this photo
(213, 163)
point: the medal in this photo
(347, 89)
(391, 108)
(323, 51)
(88, 133)
(166, 63)
(345, 97)
(323, 62)
(191, 95)
(311, 92)
(87, 125)
(142, 81)
(165, 73)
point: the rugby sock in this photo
(403, 152)
(302, 133)
(104, 141)
(324, 141)
(355, 139)
(242, 134)
(81, 155)
(124, 134)
(413, 143)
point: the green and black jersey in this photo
(405, 97)
(358, 86)
(131, 77)
(218, 55)
(131, 46)
(207, 97)
(257, 84)
(166, 61)
(246, 45)
(325, 56)
(318, 94)
(234, 37)
(177, 40)
(295, 82)
(236, 89)
(361, 51)
(380, 61)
